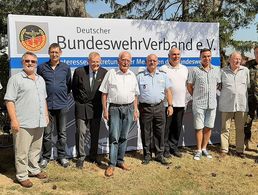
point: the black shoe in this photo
(79, 164)
(43, 163)
(64, 162)
(146, 160)
(95, 161)
(177, 154)
(167, 155)
(162, 160)
(240, 154)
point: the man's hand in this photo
(15, 126)
(169, 111)
(135, 114)
(105, 115)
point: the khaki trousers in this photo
(240, 118)
(27, 148)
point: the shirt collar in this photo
(24, 74)
(118, 71)
(146, 72)
(172, 67)
(211, 67)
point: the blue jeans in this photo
(57, 120)
(120, 122)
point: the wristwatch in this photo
(170, 105)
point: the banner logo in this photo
(32, 38)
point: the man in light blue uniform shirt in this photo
(154, 87)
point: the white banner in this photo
(80, 36)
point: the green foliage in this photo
(230, 14)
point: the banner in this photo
(80, 36)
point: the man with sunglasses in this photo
(57, 76)
(26, 104)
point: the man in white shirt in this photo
(120, 89)
(177, 73)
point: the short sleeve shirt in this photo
(205, 86)
(153, 87)
(120, 87)
(233, 95)
(29, 97)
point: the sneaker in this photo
(206, 153)
(43, 163)
(198, 155)
(64, 162)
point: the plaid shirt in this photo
(205, 86)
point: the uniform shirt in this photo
(205, 86)
(178, 77)
(153, 87)
(29, 97)
(233, 95)
(58, 84)
(120, 87)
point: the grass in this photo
(229, 175)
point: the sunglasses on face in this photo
(32, 61)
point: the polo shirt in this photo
(178, 77)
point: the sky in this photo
(245, 34)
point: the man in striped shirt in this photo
(202, 85)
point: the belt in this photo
(119, 105)
(150, 105)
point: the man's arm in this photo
(136, 111)
(104, 105)
(46, 112)
(169, 97)
(15, 125)
(190, 88)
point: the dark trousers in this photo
(83, 127)
(248, 126)
(152, 122)
(173, 129)
(57, 120)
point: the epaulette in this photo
(141, 72)
(162, 71)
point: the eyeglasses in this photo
(32, 61)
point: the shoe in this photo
(198, 155)
(43, 163)
(26, 183)
(222, 154)
(206, 153)
(177, 154)
(64, 162)
(146, 160)
(95, 161)
(240, 154)
(167, 155)
(124, 167)
(162, 160)
(41, 175)
(79, 164)
(109, 171)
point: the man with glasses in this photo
(120, 89)
(88, 109)
(57, 76)
(26, 104)
(154, 88)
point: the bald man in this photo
(233, 102)
(177, 74)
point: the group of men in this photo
(37, 102)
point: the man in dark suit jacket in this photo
(88, 107)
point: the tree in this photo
(230, 14)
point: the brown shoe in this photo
(41, 175)
(26, 183)
(124, 167)
(109, 171)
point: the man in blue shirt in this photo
(57, 76)
(154, 86)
